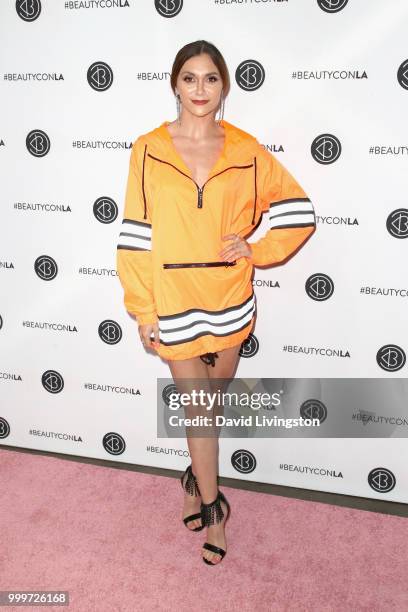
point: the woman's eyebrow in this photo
(189, 72)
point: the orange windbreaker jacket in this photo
(168, 250)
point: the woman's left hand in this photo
(239, 248)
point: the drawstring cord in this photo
(144, 195)
(253, 216)
(209, 358)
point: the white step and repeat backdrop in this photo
(324, 86)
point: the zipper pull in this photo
(200, 197)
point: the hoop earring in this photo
(221, 115)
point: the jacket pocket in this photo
(210, 286)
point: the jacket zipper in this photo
(199, 189)
(200, 264)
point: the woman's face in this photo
(199, 79)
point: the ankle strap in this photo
(212, 513)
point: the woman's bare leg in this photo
(204, 450)
(220, 374)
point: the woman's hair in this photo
(196, 48)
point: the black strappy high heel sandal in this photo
(212, 514)
(191, 487)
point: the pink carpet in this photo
(114, 539)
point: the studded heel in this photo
(190, 485)
(212, 514)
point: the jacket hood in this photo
(239, 146)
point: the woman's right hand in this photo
(145, 331)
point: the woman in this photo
(196, 187)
